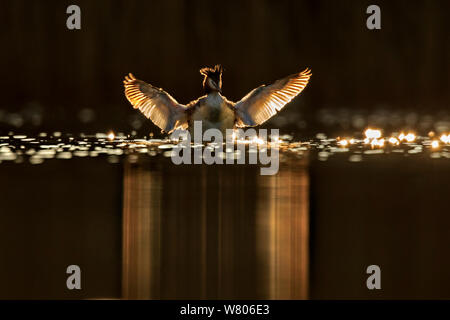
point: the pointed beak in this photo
(217, 87)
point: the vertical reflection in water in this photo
(194, 232)
(283, 235)
(141, 228)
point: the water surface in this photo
(141, 227)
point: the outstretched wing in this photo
(265, 101)
(155, 104)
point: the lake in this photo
(140, 227)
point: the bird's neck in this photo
(209, 90)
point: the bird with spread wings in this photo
(213, 109)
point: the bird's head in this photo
(212, 78)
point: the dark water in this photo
(141, 227)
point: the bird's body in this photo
(213, 109)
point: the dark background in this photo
(388, 211)
(71, 80)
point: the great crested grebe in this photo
(213, 109)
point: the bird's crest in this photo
(215, 72)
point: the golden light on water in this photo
(19, 148)
(258, 140)
(373, 138)
(377, 142)
(445, 138)
(372, 133)
(201, 262)
(394, 141)
(410, 137)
